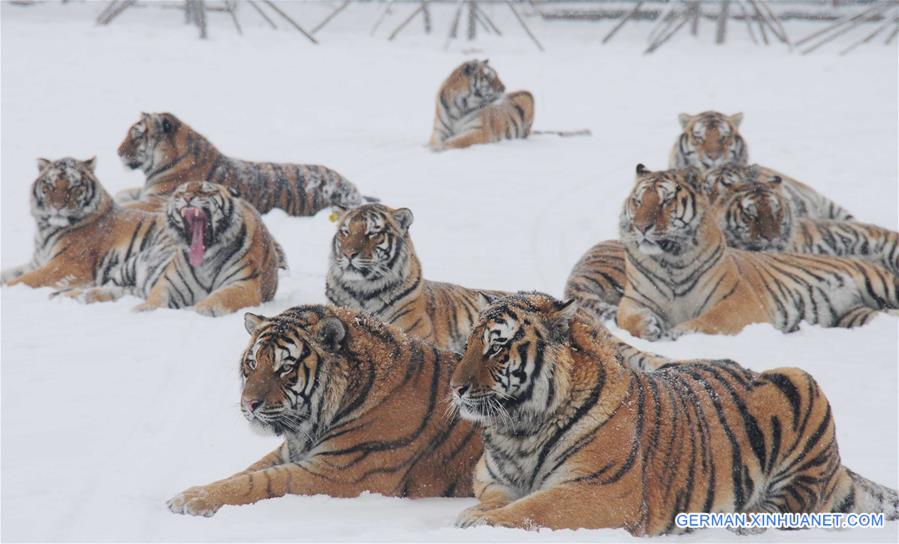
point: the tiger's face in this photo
(720, 182)
(202, 215)
(663, 212)
(372, 243)
(290, 365)
(65, 191)
(152, 141)
(757, 217)
(711, 139)
(509, 375)
(476, 84)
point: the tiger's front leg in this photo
(230, 298)
(188, 501)
(490, 494)
(267, 483)
(571, 506)
(466, 139)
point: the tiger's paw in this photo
(654, 328)
(144, 307)
(471, 517)
(477, 517)
(194, 502)
(211, 310)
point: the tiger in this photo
(805, 201)
(170, 153)
(212, 252)
(83, 237)
(758, 217)
(360, 405)
(682, 277)
(473, 108)
(373, 266)
(574, 439)
(709, 139)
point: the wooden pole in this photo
(748, 22)
(524, 25)
(487, 18)
(454, 27)
(330, 17)
(289, 20)
(840, 22)
(846, 27)
(623, 20)
(405, 22)
(232, 10)
(262, 13)
(685, 18)
(721, 32)
(871, 36)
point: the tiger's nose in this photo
(349, 253)
(460, 390)
(253, 404)
(643, 228)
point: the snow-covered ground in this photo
(106, 414)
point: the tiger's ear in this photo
(560, 319)
(403, 217)
(42, 164)
(469, 67)
(775, 180)
(330, 332)
(167, 126)
(251, 321)
(684, 118)
(736, 119)
(144, 115)
(90, 164)
(641, 169)
(485, 300)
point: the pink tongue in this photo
(197, 221)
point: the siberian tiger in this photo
(709, 139)
(573, 439)
(758, 217)
(360, 406)
(805, 201)
(210, 250)
(373, 267)
(83, 237)
(473, 108)
(682, 277)
(170, 153)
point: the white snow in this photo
(106, 413)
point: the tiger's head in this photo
(511, 374)
(757, 217)
(472, 85)
(711, 139)
(372, 245)
(202, 217)
(294, 369)
(65, 192)
(719, 182)
(663, 212)
(153, 141)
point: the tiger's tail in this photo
(565, 133)
(862, 495)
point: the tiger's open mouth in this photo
(197, 221)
